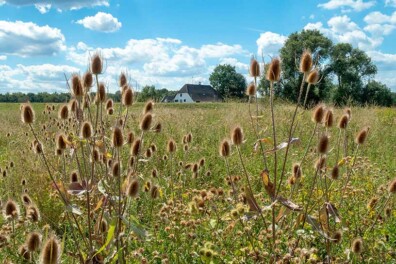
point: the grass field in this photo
(186, 211)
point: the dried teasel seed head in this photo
(361, 136)
(146, 121)
(33, 241)
(306, 62)
(320, 163)
(157, 128)
(154, 192)
(73, 105)
(127, 97)
(135, 148)
(27, 113)
(343, 122)
(76, 86)
(318, 113)
(133, 189)
(110, 111)
(335, 172)
(392, 187)
(337, 237)
(103, 226)
(202, 162)
(171, 146)
(87, 81)
(74, 176)
(117, 138)
(225, 148)
(116, 169)
(254, 68)
(101, 92)
(86, 130)
(33, 213)
(96, 64)
(237, 136)
(274, 70)
(348, 111)
(323, 144)
(189, 138)
(37, 147)
(122, 80)
(51, 251)
(251, 89)
(109, 104)
(63, 112)
(11, 210)
(357, 246)
(24, 253)
(130, 137)
(296, 172)
(148, 107)
(328, 118)
(26, 200)
(148, 153)
(60, 141)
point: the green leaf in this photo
(109, 237)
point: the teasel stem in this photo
(66, 203)
(126, 117)
(378, 214)
(97, 106)
(290, 135)
(338, 145)
(306, 95)
(232, 182)
(119, 203)
(349, 173)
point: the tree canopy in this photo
(227, 82)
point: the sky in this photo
(168, 43)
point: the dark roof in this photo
(201, 93)
(167, 98)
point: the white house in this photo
(191, 93)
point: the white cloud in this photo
(101, 22)
(342, 24)
(45, 5)
(346, 5)
(376, 17)
(379, 30)
(3, 57)
(270, 43)
(28, 39)
(239, 66)
(390, 3)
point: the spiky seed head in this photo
(313, 77)
(33, 241)
(60, 141)
(343, 122)
(153, 147)
(337, 237)
(148, 107)
(146, 121)
(73, 105)
(37, 147)
(122, 80)
(251, 89)
(116, 169)
(11, 210)
(110, 111)
(318, 113)
(189, 138)
(130, 137)
(23, 182)
(306, 62)
(86, 130)
(225, 148)
(157, 128)
(237, 136)
(254, 68)
(361, 136)
(154, 193)
(135, 148)
(148, 153)
(335, 172)
(392, 187)
(154, 173)
(51, 251)
(117, 139)
(274, 70)
(63, 112)
(328, 118)
(26, 200)
(76, 86)
(171, 146)
(27, 113)
(96, 64)
(357, 246)
(109, 104)
(320, 163)
(323, 144)
(202, 162)
(348, 111)
(95, 155)
(33, 213)
(127, 97)
(195, 168)
(87, 81)
(296, 173)
(103, 226)
(24, 253)
(102, 92)
(74, 176)
(133, 189)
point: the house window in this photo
(184, 100)
(180, 95)
(176, 101)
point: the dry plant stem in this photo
(57, 187)
(97, 106)
(125, 119)
(232, 182)
(378, 214)
(273, 131)
(289, 137)
(119, 202)
(306, 95)
(338, 145)
(349, 174)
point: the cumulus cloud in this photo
(28, 39)
(347, 5)
(3, 57)
(270, 43)
(390, 3)
(101, 22)
(239, 66)
(45, 5)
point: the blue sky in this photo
(167, 43)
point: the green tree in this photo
(377, 93)
(351, 67)
(227, 82)
(290, 54)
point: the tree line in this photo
(347, 74)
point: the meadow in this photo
(99, 182)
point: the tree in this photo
(352, 67)
(227, 82)
(377, 93)
(291, 52)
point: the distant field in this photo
(210, 124)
